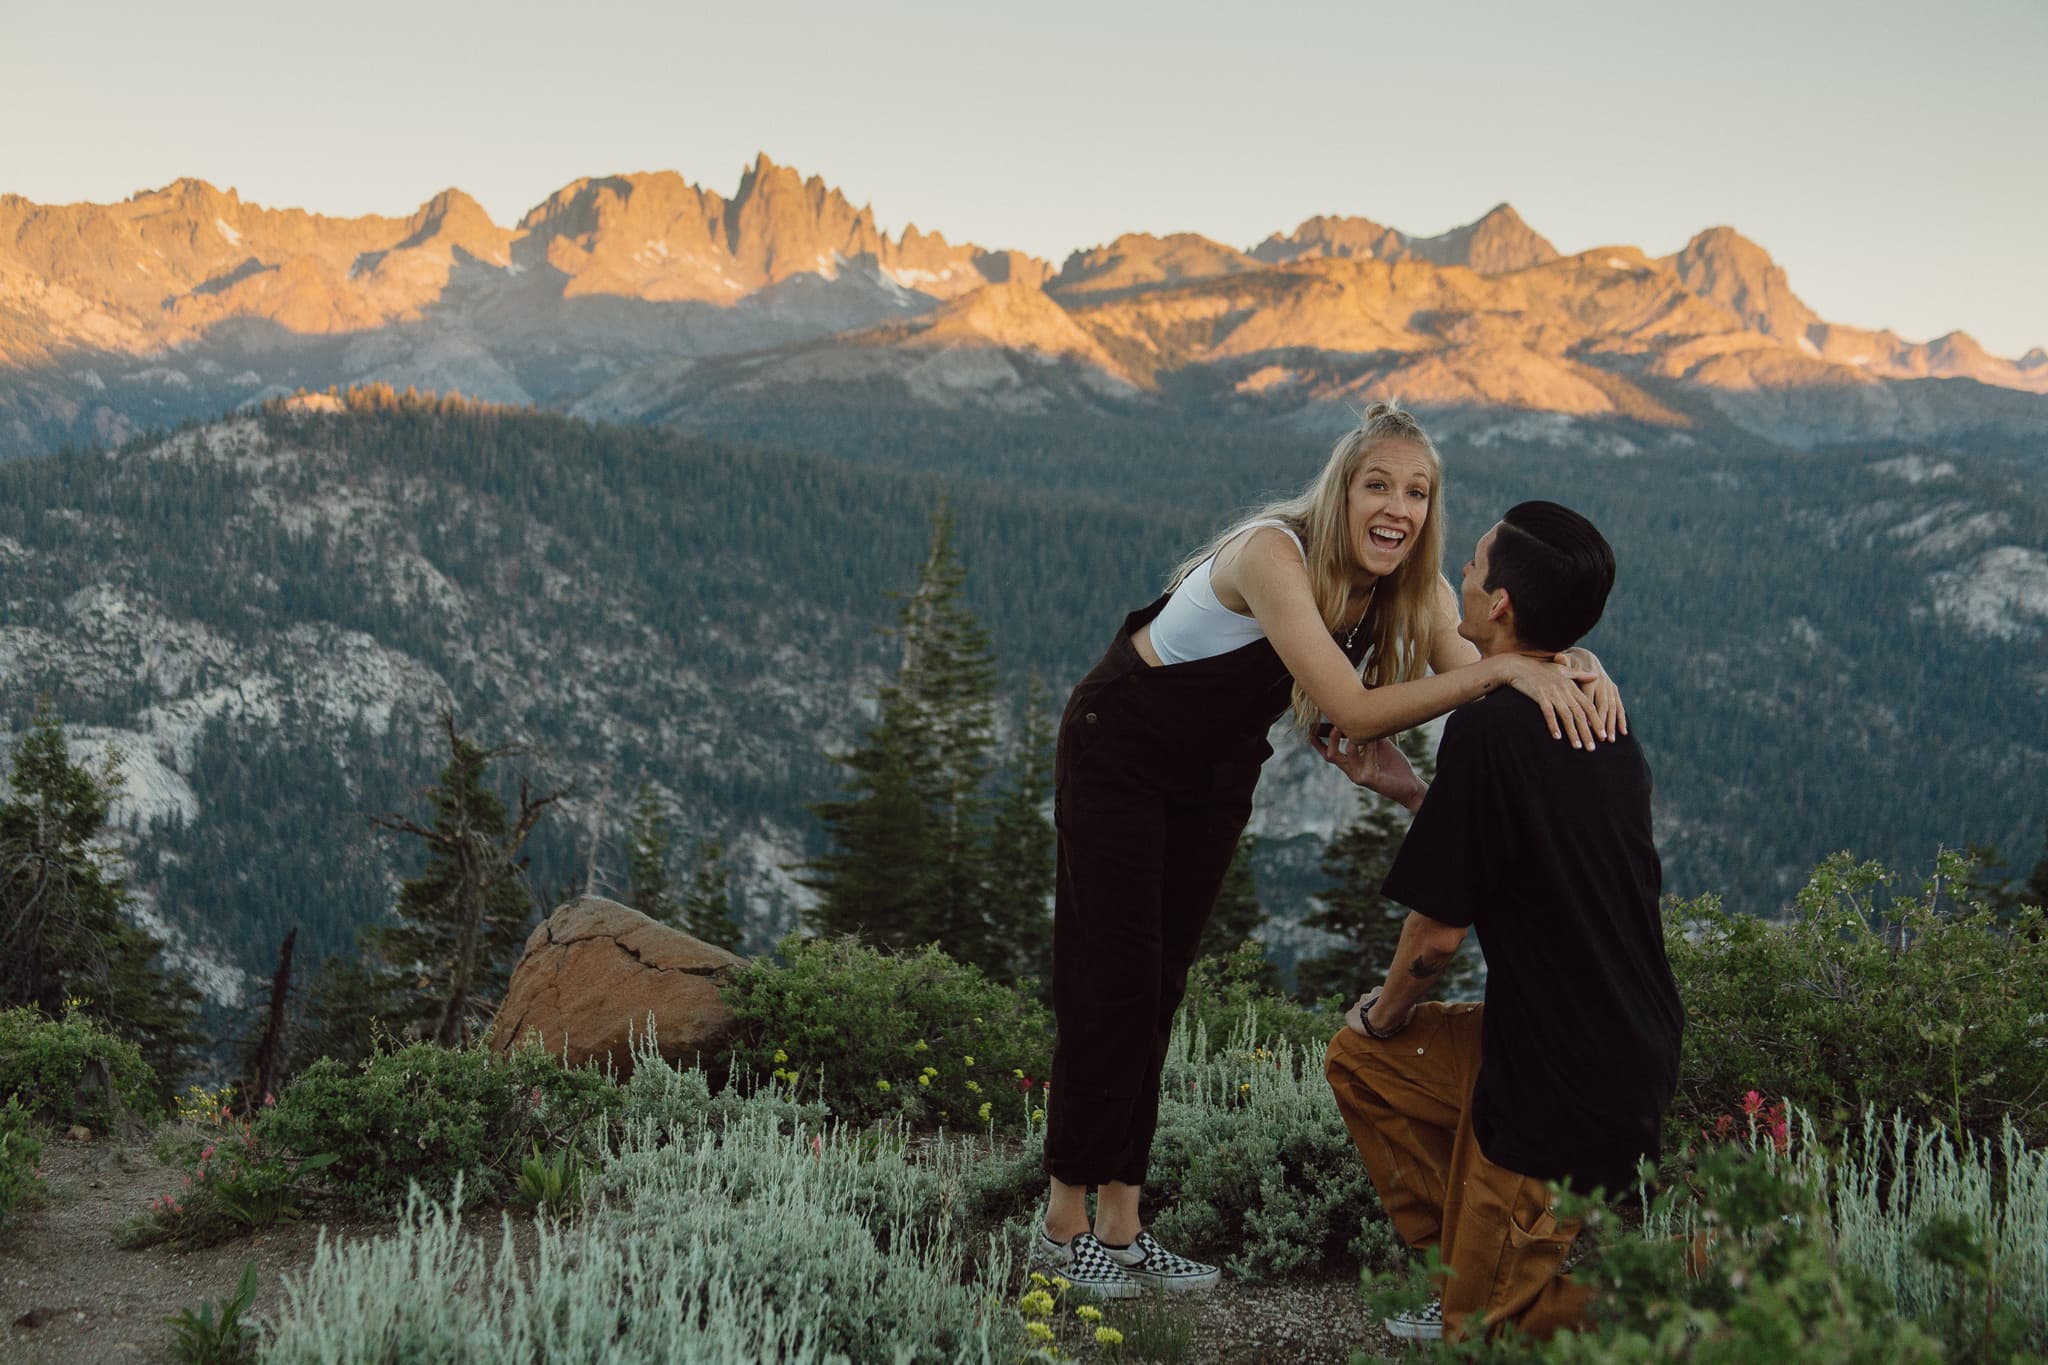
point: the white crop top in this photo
(1194, 625)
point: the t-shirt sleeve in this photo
(1448, 865)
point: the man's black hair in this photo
(1557, 569)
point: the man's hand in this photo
(1356, 1016)
(1379, 767)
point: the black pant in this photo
(1149, 804)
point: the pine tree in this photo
(908, 863)
(1356, 862)
(1022, 848)
(1238, 913)
(2036, 892)
(463, 918)
(63, 935)
(647, 849)
(707, 910)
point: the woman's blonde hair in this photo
(1404, 603)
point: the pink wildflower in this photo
(1751, 1102)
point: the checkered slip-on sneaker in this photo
(1084, 1265)
(1418, 1324)
(1153, 1266)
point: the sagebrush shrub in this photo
(1252, 1163)
(427, 1115)
(877, 1035)
(747, 1241)
(45, 1063)
(1932, 1009)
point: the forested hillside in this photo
(266, 615)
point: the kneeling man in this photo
(1467, 1114)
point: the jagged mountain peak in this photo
(1137, 259)
(1497, 242)
(1494, 244)
(1723, 265)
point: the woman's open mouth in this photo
(1386, 539)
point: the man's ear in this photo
(1500, 610)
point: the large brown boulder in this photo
(594, 971)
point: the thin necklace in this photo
(1352, 638)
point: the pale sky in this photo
(1889, 154)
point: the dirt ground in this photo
(70, 1296)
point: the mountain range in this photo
(644, 296)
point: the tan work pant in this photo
(1408, 1103)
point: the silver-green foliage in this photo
(727, 1230)
(1883, 1202)
(1887, 1192)
(1252, 1161)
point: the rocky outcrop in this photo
(595, 972)
(1495, 244)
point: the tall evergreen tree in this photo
(64, 936)
(1356, 861)
(1022, 848)
(1238, 913)
(908, 865)
(647, 849)
(707, 911)
(462, 919)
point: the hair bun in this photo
(1375, 411)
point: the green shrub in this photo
(1932, 1009)
(234, 1184)
(429, 1115)
(21, 1147)
(54, 1065)
(1903, 1247)
(1222, 989)
(1252, 1163)
(214, 1334)
(881, 1035)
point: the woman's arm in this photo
(1268, 573)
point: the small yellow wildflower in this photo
(983, 1112)
(931, 1071)
(920, 1047)
(1038, 1116)
(1245, 1089)
(1039, 1330)
(1035, 1304)
(882, 1086)
(1062, 1283)
(1088, 1312)
(969, 1061)
(1108, 1336)
(974, 1086)
(780, 1056)
(1018, 1072)
(1039, 1280)
(924, 1080)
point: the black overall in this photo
(1152, 787)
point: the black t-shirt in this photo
(1546, 851)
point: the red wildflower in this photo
(1751, 1102)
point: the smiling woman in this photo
(1328, 604)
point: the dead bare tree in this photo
(477, 844)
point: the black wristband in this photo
(1365, 1020)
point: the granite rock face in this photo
(594, 972)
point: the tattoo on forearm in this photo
(1425, 967)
